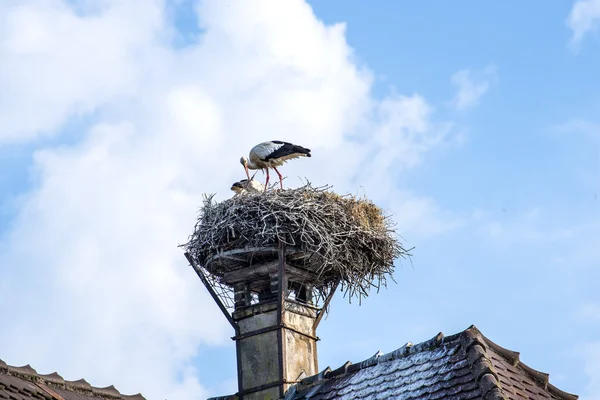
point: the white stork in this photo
(272, 155)
(246, 186)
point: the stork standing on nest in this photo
(272, 155)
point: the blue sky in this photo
(110, 140)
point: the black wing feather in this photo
(286, 150)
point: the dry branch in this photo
(348, 238)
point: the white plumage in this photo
(272, 154)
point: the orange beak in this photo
(247, 173)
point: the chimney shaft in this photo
(276, 342)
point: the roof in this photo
(462, 366)
(22, 383)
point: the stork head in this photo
(244, 162)
(240, 186)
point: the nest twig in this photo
(348, 238)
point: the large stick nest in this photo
(340, 238)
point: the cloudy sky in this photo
(475, 125)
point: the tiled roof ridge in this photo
(54, 380)
(481, 366)
(476, 349)
(542, 378)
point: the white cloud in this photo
(103, 292)
(472, 85)
(583, 19)
(56, 63)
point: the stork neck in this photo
(251, 165)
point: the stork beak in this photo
(247, 173)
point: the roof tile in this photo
(53, 378)
(458, 367)
(80, 384)
(108, 391)
(25, 371)
(24, 383)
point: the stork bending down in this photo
(272, 154)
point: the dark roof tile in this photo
(25, 371)
(80, 384)
(338, 372)
(108, 391)
(53, 378)
(47, 392)
(458, 367)
(24, 383)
